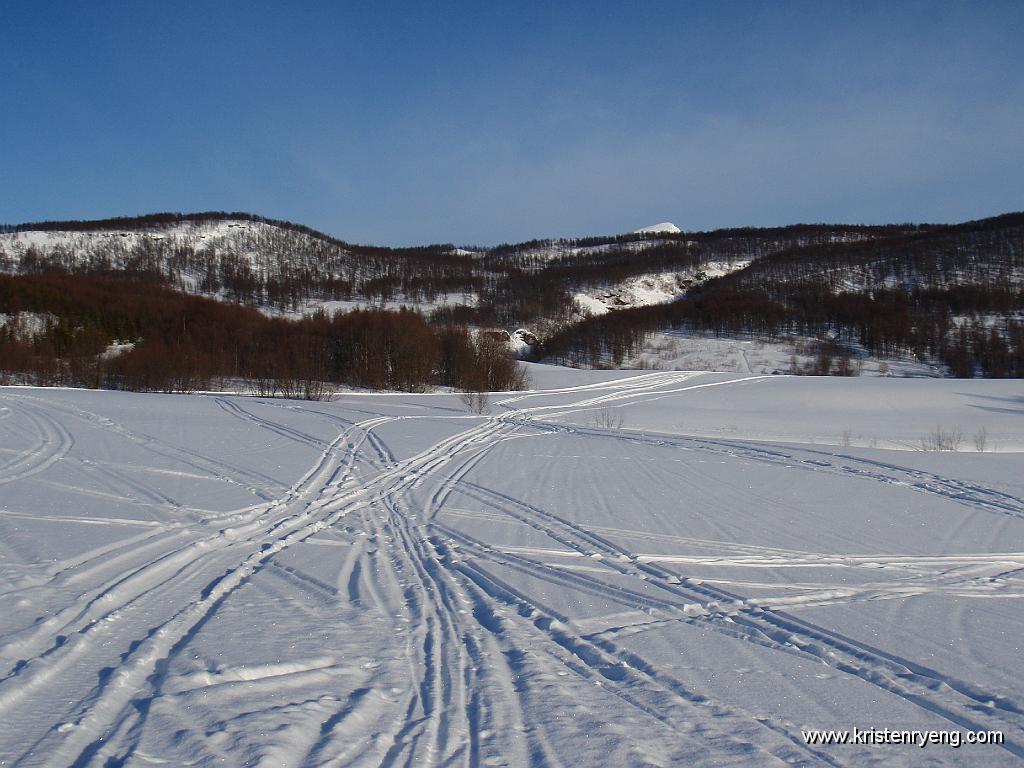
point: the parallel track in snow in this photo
(473, 648)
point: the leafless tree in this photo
(940, 439)
(476, 402)
(980, 440)
(606, 418)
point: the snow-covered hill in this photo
(965, 281)
(285, 269)
(273, 266)
(665, 226)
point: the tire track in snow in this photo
(871, 665)
(53, 444)
(439, 578)
(72, 626)
(958, 701)
(440, 596)
(632, 679)
(110, 703)
(422, 464)
(256, 483)
(83, 568)
(466, 616)
(447, 708)
(290, 433)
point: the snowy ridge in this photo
(252, 242)
(665, 226)
(224, 259)
(551, 286)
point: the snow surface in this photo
(332, 306)
(27, 325)
(683, 350)
(665, 226)
(651, 288)
(391, 580)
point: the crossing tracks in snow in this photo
(475, 602)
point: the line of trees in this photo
(181, 343)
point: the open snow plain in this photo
(390, 580)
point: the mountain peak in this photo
(665, 226)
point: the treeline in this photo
(946, 324)
(807, 233)
(180, 343)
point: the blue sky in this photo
(470, 122)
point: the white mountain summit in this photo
(665, 226)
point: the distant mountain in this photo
(665, 226)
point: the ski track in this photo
(771, 628)
(474, 647)
(52, 443)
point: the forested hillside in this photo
(180, 343)
(276, 264)
(953, 293)
(173, 301)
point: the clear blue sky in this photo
(479, 122)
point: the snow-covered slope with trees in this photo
(613, 569)
(657, 288)
(945, 297)
(267, 263)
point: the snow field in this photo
(390, 580)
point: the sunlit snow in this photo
(616, 569)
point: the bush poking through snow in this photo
(980, 440)
(941, 440)
(476, 402)
(606, 418)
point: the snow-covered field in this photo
(680, 350)
(618, 569)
